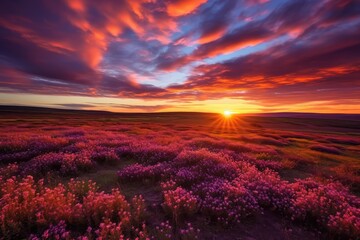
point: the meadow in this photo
(97, 175)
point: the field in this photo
(98, 175)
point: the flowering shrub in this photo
(345, 223)
(81, 188)
(57, 231)
(18, 156)
(26, 204)
(225, 203)
(168, 185)
(267, 188)
(105, 155)
(140, 172)
(138, 209)
(40, 143)
(146, 152)
(207, 163)
(180, 203)
(100, 205)
(327, 204)
(186, 176)
(61, 163)
(9, 170)
(110, 230)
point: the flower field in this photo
(173, 177)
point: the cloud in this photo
(142, 108)
(251, 49)
(76, 105)
(324, 62)
(178, 8)
(286, 19)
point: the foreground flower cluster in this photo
(227, 190)
(27, 206)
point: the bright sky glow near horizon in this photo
(182, 55)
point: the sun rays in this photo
(228, 122)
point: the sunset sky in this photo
(189, 55)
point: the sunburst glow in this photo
(227, 123)
(227, 113)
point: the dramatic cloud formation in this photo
(277, 55)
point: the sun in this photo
(227, 113)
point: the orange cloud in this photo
(211, 36)
(233, 47)
(76, 5)
(129, 21)
(182, 7)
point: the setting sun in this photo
(227, 113)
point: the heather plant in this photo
(180, 203)
(9, 170)
(57, 231)
(168, 185)
(73, 133)
(207, 163)
(27, 205)
(186, 176)
(264, 164)
(100, 205)
(138, 209)
(12, 144)
(110, 230)
(225, 203)
(104, 155)
(148, 153)
(267, 187)
(136, 172)
(345, 223)
(81, 188)
(18, 156)
(18, 149)
(17, 204)
(67, 164)
(328, 205)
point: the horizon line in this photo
(154, 112)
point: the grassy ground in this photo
(296, 148)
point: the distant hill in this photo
(29, 109)
(310, 115)
(4, 109)
(44, 110)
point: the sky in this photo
(244, 56)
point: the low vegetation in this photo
(168, 181)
